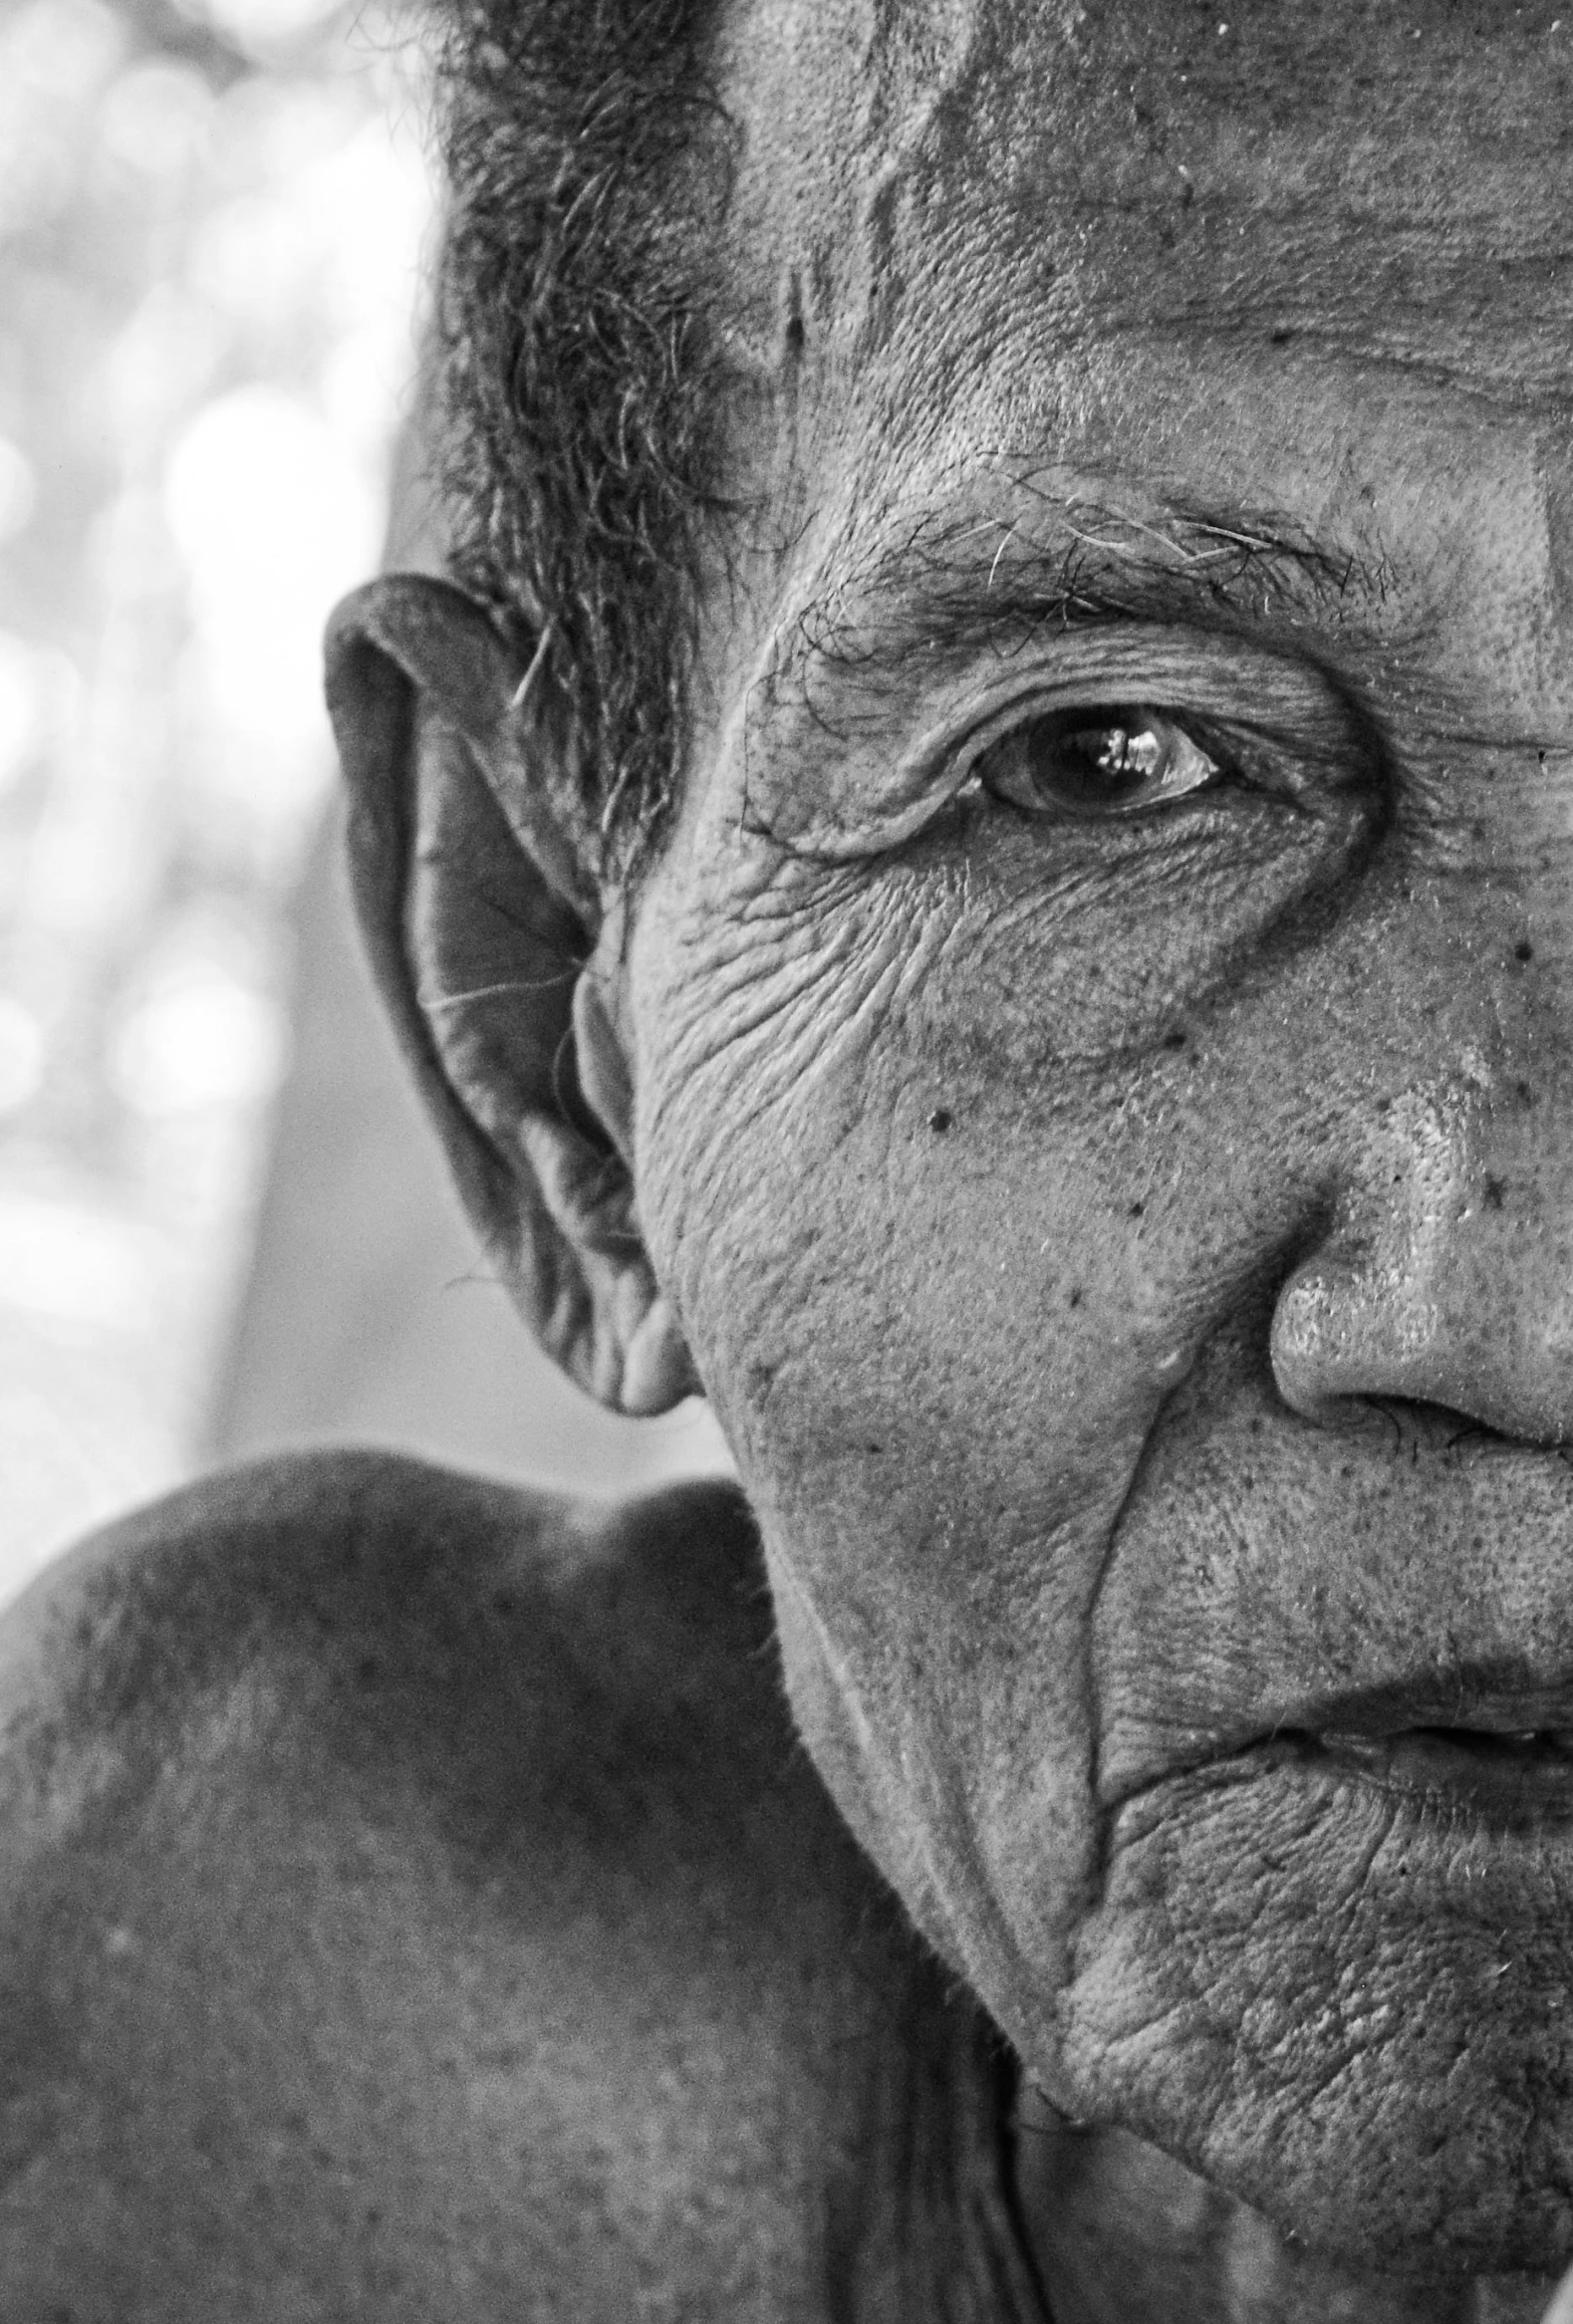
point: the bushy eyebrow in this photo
(940, 585)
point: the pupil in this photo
(1124, 753)
(1094, 764)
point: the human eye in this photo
(1099, 760)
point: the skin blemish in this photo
(1495, 1191)
(793, 331)
(1136, 1210)
(940, 1120)
(1175, 1040)
(1524, 950)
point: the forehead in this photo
(1249, 262)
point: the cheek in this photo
(938, 1279)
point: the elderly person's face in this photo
(1100, 1036)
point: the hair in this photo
(577, 397)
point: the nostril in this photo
(1457, 1428)
(1341, 1362)
(1413, 1418)
(1448, 1313)
(1348, 1356)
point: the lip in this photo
(1461, 1734)
(1528, 1772)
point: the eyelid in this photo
(1167, 674)
(898, 757)
(1291, 745)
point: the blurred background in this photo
(223, 1228)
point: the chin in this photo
(1347, 2003)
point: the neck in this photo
(1123, 2234)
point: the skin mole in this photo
(1108, 1858)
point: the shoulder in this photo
(325, 1540)
(405, 1873)
(373, 1584)
(391, 1635)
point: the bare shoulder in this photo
(405, 1600)
(417, 1905)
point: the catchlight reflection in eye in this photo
(1108, 760)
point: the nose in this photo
(1446, 1277)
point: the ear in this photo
(481, 918)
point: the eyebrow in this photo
(941, 582)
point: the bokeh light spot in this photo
(21, 1055)
(273, 525)
(262, 26)
(18, 490)
(208, 1041)
(154, 118)
(54, 54)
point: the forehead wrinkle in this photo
(989, 182)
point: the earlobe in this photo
(480, 917)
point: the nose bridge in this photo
(1447, 1275)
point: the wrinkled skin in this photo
(1128, 1253)
(1130, 1256)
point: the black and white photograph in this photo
(786, 1162)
